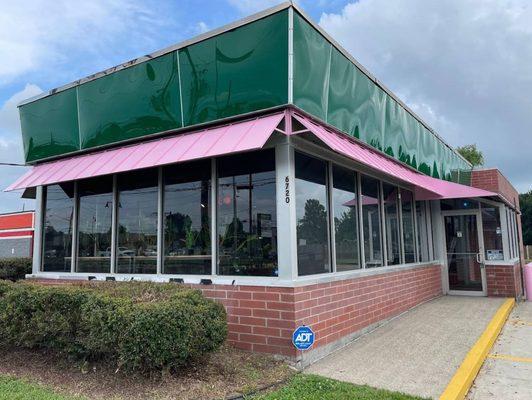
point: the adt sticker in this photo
(303, 338)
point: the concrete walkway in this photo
(507, 372)
(416, 353)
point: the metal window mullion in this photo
(361, 222)
(114, 225)
(74, 222)
(399, 205)
(383, 233)
(417, 257)
(160, 221)
(214, 219)
(332, 234)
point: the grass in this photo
(18, 389)
(312, 387)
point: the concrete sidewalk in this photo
(507, 372)
(416, 353)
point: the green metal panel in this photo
(236, 72)
(130, 103)
(312, 59)
(50, 126)
(332, 88)
(354, 105)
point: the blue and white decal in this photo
(303, 338)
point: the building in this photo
(16, 234)
(262, 164)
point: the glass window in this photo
(312, 215)
(187, 218)
(459, 204)
(407, 215)
(58, 214)
(136, 251)
(510, 233)
(391, 215)
(94, 225)
(247, 217)
(423, 238)
(345, 209)
(491, 225)
(371, 222)
(516, 241)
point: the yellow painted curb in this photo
(462, 380)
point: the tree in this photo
(525, 201)
(471, 154)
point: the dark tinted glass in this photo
(187, 218)
(408, 225)
(391, 214)
(136, 251)
(247, 218)
(491, 225)
(423, 238)
(94, 225)
(58, 214)
(371, 222)
(344, 199)
(312, 215)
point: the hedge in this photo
(14, 269)
(136, 326)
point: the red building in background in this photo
(16, 234)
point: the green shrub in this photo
(14, 269)
(137, 326)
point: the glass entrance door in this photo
(464, 253)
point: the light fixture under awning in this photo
(233, 138)
(426, 187)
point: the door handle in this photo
(478, 258)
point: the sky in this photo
(462, 65)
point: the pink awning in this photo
(426, 187)
(238, 137)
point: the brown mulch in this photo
(227, 372)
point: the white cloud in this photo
(202, 27)
(41, 36)
(9, 117)
(246, 7)
(464, 65)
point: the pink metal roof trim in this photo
(238, 137)
(426, 187)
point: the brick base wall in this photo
(262, 318)
(504, 280)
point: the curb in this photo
(462, 380)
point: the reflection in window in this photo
(391, 215)
(491, 225)
(94, 225)
(136, 251)
(407, 215)
(312, 216)
(58, 214)
(458, 204)
(187, 234)
(247, 218)
(371, 222)
(423, 241)
(510, 232)
(344, 202)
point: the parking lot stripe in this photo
(462, 380)
(510, 358)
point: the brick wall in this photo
(504, 280)
(262, 319)
(494, 181)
